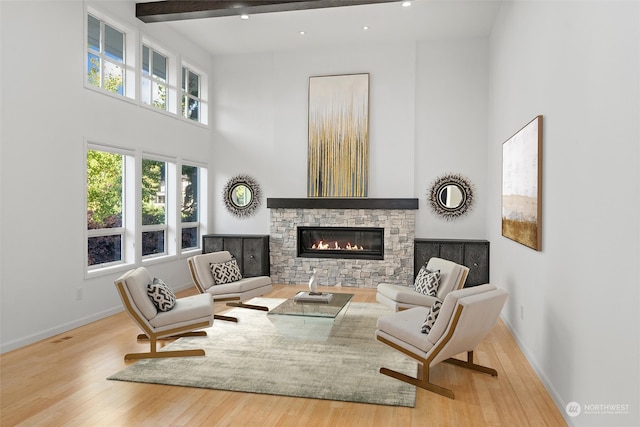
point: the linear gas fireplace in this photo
(341, 242)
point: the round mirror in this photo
(451, 196)
(241, 195)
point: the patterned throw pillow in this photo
(427, 281)
(161, 295)
(225, 272)
(431, 317)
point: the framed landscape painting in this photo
(338, 151)
(522, 185)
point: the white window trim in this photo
(173, 78)
(132, 214)
(129, 216)
(133, 71)
(203, 118)
(130, 63)
(202, 207)
(170, 228)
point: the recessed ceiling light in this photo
(302, 33)
(406, 3)
(244, 16)
(365, 28)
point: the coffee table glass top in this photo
(313, 309)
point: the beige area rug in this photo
(288, 356)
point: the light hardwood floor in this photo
(61, 381)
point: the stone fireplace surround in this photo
(396, 216)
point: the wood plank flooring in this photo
(61, 381)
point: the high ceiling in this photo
(337, 26)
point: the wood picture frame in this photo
(522, 185)
(338, 150)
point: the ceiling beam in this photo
(163, 11)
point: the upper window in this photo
(193, 105)
(107, 65)
(114, 57)
(155, 72)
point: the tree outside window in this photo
(189, 207)
(104, 207)
(154, 205)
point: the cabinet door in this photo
(452, 251)
(476, 257)
(212, 244)
(422, 253)
(255, 257)
(233, 244)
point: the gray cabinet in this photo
(471, 253)
(251, 251)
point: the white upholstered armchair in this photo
(236, 291)
(398, 297)
(182, 318)
(465, 318)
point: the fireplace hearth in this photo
(341, 242)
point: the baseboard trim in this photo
(560, 403)
(48, 333)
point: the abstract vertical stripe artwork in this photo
(338, 156)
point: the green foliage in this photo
(189, 207)
(104, 189)
(112, 82)
(153, 211)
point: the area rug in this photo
(288, 356)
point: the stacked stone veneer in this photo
(396, 267)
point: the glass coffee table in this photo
(329, 310)
(303, 320)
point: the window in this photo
(190, 208)
(154, 78)
(169, 217)
(107, 208)
(154, 207)
(108, 58)
(193, 100)
(114, 56)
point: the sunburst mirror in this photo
(451, 196)
(242, 195)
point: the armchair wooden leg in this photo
(250, 306)
(226, 318)
(144, 337)
(159, 354)
(422, 383)
(153, 353)
(470, 365)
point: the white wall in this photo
(576, 63)
(260, 120)
(427, 117)
(46, 116)
(451, 130)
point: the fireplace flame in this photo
(321, 245)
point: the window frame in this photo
(202, 98)
(171, 82)
(129, 65)
(170, 203)
(201, 223)
(128, 242)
